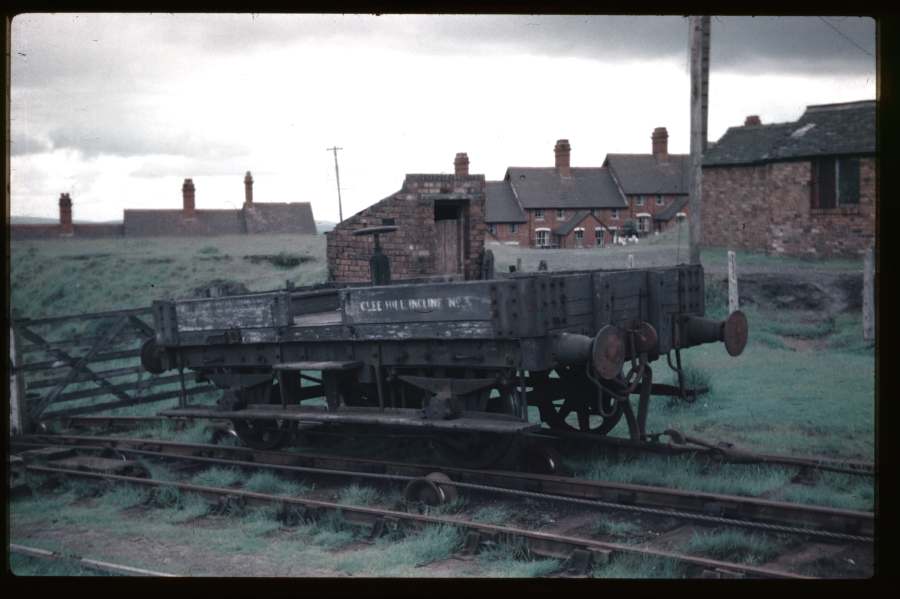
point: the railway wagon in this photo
(453, 358)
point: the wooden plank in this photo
(106, 374)
(80, 317)
(732, 283)
(106, 357)
(131, 402)
(147, 383)
(233, 312)
(418, 303)
(322, 365)
(17, 412)
(869, 296)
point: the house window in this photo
(643, 224)
(639, 201)
(659, 200)
(513, 228)
(542, 238)
(615, 214)
(598, 236)
(539, 214)
(835, 182)
(561, 214)
(492, 229)
(579, 238)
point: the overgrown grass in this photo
(24, 565)
(355, 494)
(607, 526)
(218, 476)
(404, 556)
(73, 276)
(266, 481)
(513, 561)
(735, 546)
(493, 514)
(635, 566)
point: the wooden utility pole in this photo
(337, 175)
(699, 45)
(869, 295)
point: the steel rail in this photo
(92, 564)
(732, 455)
(537, 542)
(713, 508)
(724, 453)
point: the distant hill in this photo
(323, 226)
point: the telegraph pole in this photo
(699, 45)
(337, 175)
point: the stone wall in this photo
(767, 208)
(411, 249)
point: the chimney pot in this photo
(660, 139)
(65, 214)
(461, 164)
(753, 119)
(248, 189)
(187, 193)
(563, 152)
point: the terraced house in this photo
(804, 188)
(575, 207)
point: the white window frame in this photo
(659, 200)
(513, 228)
(560, 214)
(599, 237)
(541, 232)
(615, 214)
(639, 201)
(539, 214)
(579, 240)
(492, 228)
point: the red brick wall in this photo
(767, 208)
(551, 221)
(411, 248)
(651, 208)
(589, 224)
(504, 235)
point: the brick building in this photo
(252, 219)
(440, 220)
(558, 206)
(655, 185)
(805, 188)
(569, 207)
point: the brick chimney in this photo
(752, 120)
(65, 214)
(461, 165)
(563, 151)
(248, 189)
(660, 140)
(187, 193)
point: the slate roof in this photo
(822, 130)
(567, 227)
(542, 187)
(500, 204)
(644, 173)
(272, 217)
(671, 210)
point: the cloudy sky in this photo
(118, 109)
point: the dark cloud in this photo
(22, 144)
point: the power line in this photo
(337, 176)
(846, 37)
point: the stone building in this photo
(569, 207)
(804, 188)
(440, 220)
(252, 219)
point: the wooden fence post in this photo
(733, 304)
(519, 264)
(630, 260)
(17, 411)
(869, 296)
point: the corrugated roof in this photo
(500, 204)
(823, 130)
(543, 187)
(645, 173)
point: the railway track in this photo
(578, 552)
(90, 564)
(708, 508)
(679, 444)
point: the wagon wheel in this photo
(572, 402)
(261, 433)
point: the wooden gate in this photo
(88, 363)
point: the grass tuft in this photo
(218, 476)
(735, 545)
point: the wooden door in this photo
(448, 247)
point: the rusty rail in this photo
(714, 508)
(92, 564)
(538, 543)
